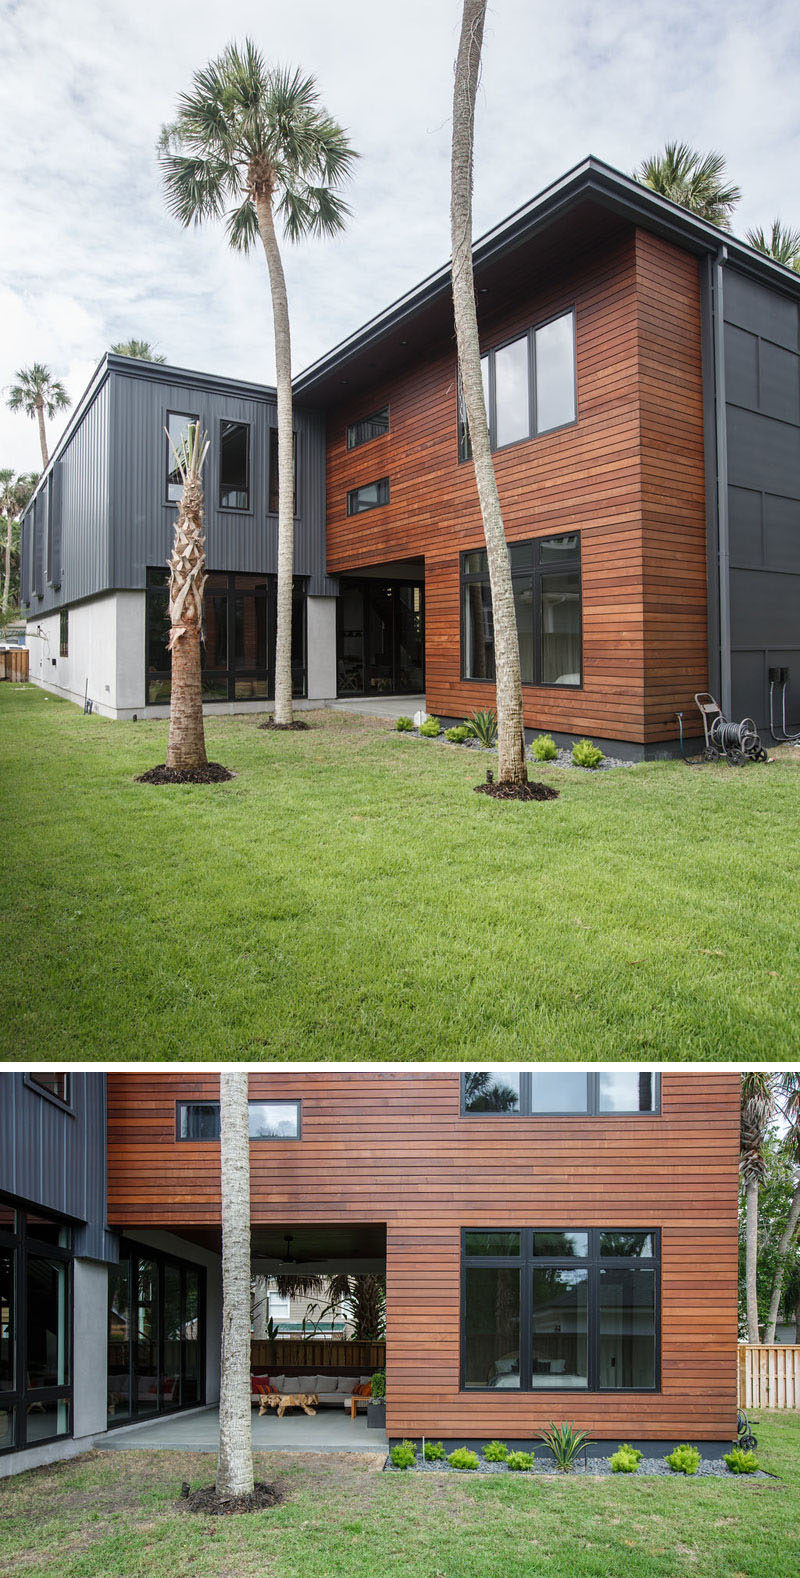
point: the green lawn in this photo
(103, 1516)
(347, 895)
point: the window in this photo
(234, 465)
(273, 471)
(369, 497)
(560, 1309)
(238, 652)
(56, 1085)
(279, 1306)
(156, 1321)
(63, 633)
(269, 1120)
(528, 385)
(623, 1091)
(35, 1328)
(368, 427)
(178, 424)
(546, 580)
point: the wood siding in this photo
(638, 350)
(394, 1149)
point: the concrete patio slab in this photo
(380, 706)
(198, 1431)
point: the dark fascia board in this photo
(593, 179)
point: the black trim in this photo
(255, 1101)
(355, 508)
(64, 1103)
(235, 509)
(537, 574)
(592, 1109)
(189, 417)
(129, 1252)
(354, 441)
(534, 431)
(23, 1244)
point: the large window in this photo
(368, 497)
(528, 385)
(624, 1090)
(269, 1120)
(368, 427)
(156, 1311)
(238, 652)
(546, 580)
(178, 424)
(273, 472)
(572, 1309)
(234, 465)
(35, 1328)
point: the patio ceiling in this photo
(315, 1248)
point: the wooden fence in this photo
(319, 1353)
(769, 1375)
(14, 663)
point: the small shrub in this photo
(434, 1451)
(684, 1460)
(462, 1457)
(378, 1386)
(741, 1462)
(625, 1460)
(496, 1452)
(544, 748)
(585, 754)
(519, 1461)
(430, 728)
(565, 1442)
(458, 734)
(404, 725)
(482, 726)
(404, 1455)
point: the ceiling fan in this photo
(289, 1259)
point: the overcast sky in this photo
(89, 254)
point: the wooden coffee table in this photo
(283, 1400)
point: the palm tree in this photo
(790, 1092)
(15, 491)
(140, 350)
(186, 750)
(36, 392)
(361, 1296)
(251, 143)
(757, 1107)
(782, 243)
(510, 729)
(235, 1454)
(696, 181)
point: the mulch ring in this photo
(212, 773)
(206, 1500)
(297, 723)
(507, 791)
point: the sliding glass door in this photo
(156, 1307)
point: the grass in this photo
(347, 895)
(344, 1519)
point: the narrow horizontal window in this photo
(178, 424)
(560, 1092)
(491, 1241)
(269, 1120)
(489, 1092)
(57, 1085)
(625, 1090)
(368, 427)
(273, 472)
(234, 465)
(368, 497)
(556, 1245)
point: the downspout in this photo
(720, 414)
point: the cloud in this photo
(89, 254)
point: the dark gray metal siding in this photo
(762, 389)
(57, 1159)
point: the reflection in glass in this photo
(559, 1092)
(561, 629)
(6, 1320)
(274, 1120)
(559, 1245)
(47, 1419)
(478, 624)
(625, 1090)
(234, 465)
(555, 373)
(178, 424)
(6, 1426)
(485, 1091)
(191, 1338)
(145, 1352)
(198, 1120)
(491, 1328)
(494, 1241)
(119, 1340)
(634, 1244)
(47, 1334)
(171, 1364)
(560, 1328)
(511, 392)
(627, 1321)
(522, 589)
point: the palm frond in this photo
(782, 243)
(757, 1112)
(695, 181)
(195, 189)
(312, 211)
(241, 225)
(36, 385)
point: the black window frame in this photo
(23, 1243)
(253, 1101)
(355, 442)
(235, 509)
(526, 1262)
(592, 1110)
(536, 574)
(64, 1103)
(534, 431)
(272, 472)
(132, 1251)
(384, 496)
(157, 582)
(189, 418)
(63, 632)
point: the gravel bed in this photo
(563, 759)
(710, 1468)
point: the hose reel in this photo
(737, 742)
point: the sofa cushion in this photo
(324, 1383)
(345, 1383)
(277, 1381)
(294, 1383)
(362, 1389)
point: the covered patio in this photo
(198, 1431)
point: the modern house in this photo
(642, 376)
(555, 1245)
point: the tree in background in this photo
(37, 392)
(697, 181)
(361, 1298)
(15, 492)
(235, 1454)
(510, 730)
(140, 350)
(252, 144)
(781, 243)
(757, 1113)
(788, 1240)
(774, 1200)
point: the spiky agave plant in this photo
(186, 750)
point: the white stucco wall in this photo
(106, 649)
(321, 653)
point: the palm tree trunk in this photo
(42, 433)
(186, 750)
(751, 1259)
(510, 730)
(283, 373)
(235, 1456)
(784, 1245)
(7, 569)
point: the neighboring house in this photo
(295, 1315)
(642, 372)
(555, 1245)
